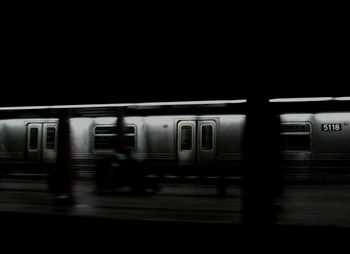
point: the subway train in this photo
(312, 144)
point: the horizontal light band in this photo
(346, 98)
(145, 104)
(301, 99)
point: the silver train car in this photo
(166, 142)
(312, 144)
(316, 145)
(27, 143)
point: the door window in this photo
(186, 137)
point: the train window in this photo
(129, 142)
(50, 138)
(207, 137)
(33, 140)
(130, 137)
(104, 143)
(129, 129)
(105, 138)
(186, 137)
(295, 142)
(295, 128)
(295, 136)
(105, 130)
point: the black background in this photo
(74, 58)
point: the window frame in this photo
(212, 136)
(309, 133)
(37, 140)
(192, 138)
(94, 150)
(55, 138)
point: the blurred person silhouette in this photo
(123, 169)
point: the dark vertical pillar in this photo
(262, 182)
(2, 170)
(63, 173)
(120, 130)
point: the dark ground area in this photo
(178, 213)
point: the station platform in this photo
(191, 208)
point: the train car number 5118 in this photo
(331, 127)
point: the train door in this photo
(42, 142)
(186, 148)
(206, 142)
(196, 143)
